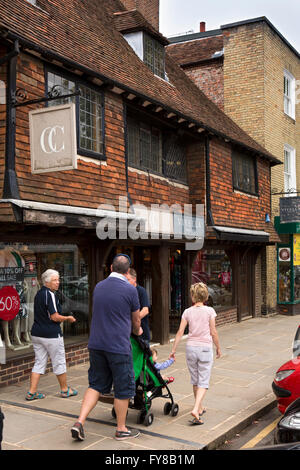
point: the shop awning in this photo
(239, 234)
(34, 212)
(286, 228)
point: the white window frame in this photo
(290, 180)
(289, 94)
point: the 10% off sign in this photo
(9, 303)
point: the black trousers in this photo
(1, 426)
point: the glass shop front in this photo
(21, 267)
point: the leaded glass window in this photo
(244, 173)
(89, 107)
(154, 56)
(152, 149)
(174, 160)
(144, 146)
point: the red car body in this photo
(286, 385)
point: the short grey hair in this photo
(47, 275)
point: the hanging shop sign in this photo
(289, 209)
(9, 303)
(53, 144)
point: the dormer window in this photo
(146, 41)
(154, 55)
(149, 50)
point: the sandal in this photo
(196, 422)
(34, 396)
(68, 393)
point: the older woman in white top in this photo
(200, 320)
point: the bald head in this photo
(120, 264)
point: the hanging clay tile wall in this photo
(235, 208)
(93, 183)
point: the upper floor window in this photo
(155, 150)
(289, 84)
(154, 55)
(149, 50)
(89, 112)
(144, 146)
(244, 173)
(290, 171)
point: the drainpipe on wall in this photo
(11, 189)
(209, 215)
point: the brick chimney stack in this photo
(148, 8)
(202, 27)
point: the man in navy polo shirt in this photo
(144, 304)
(116, 313)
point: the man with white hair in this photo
(47, 338)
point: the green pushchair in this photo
(149, 384)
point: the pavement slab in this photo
(240, 390)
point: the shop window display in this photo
(21, 266)
(213, 268)
(284, 278)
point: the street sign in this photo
(289, 209)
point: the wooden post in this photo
(160, 293)
(188, 258)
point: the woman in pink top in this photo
(199, 348)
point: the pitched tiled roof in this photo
(129, 21)
(191, 52)
(82, 33)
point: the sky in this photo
(180, 16)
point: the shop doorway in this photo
(245, 288)
(176, 294)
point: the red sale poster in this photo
(9, 303)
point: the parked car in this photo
(286, 385)
(288, 428)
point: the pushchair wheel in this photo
(167, 408)
(149, 418)
(146, 418)
(141, 416)
(174, 409)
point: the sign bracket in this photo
(54, 94)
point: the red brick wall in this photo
(226, 316)
(210, 79)
(19, 369)
(233, 208)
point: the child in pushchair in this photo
(149, 383)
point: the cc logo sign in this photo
(47, 139)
